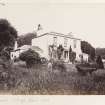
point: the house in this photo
(49, 42)
(18, 50)
(85, 57)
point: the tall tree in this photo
(88, 49)
(99, 62)
(60, 50)
(101, 52)
(26, 39)
(8, 34)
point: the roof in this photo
(58, 34)
(37, 49)
(26, 47)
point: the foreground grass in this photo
(39, 80)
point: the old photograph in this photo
(52, 48)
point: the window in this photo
(65, 42)
(75, 43)
(55, 41)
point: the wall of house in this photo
(69, 42)
(41, 42)
(78, 50)
(44, 41)
(14, 55)
(85, 57)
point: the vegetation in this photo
(72, 55)
(8, 34)
(59, 65)
(101, 52)
(60, 50)
(99, 62)
(63, 79)
(26, 39)
(88, 49)
(41, 81)
(30, 57)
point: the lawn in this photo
(39, 80)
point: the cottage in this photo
(18, 50)
(50, 42)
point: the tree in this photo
(70, 49)
(99, 62)
(101, 52)
(8, 34)
(60, 51)
(30, 57)
(88, 49)
(72, 55)
(26, 39)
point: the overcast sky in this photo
(85, 21)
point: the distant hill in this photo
(25, 39)
(100, 51)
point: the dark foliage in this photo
(30, 57)
(70, 49)
(99, 62)
(85, 68)
(72, 56)
(88, 49)
(59, 65)
(26, 39)
(60, 51)
(101, 52)
(8, 34)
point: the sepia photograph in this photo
(49, 48)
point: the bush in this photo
(72, 56)
(59, 65)
(30, 57)
(99, 62)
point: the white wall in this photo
(78, 49)
(44, 41)
(60, 40)
(85, 57)
(14, 54)
(41, 42)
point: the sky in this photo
(84, 20)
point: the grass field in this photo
(39, 80)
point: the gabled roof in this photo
(58, 34)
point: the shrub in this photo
(60, 50)
(72, 56)
(99, 62)
(59, 64)
(30, 57)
